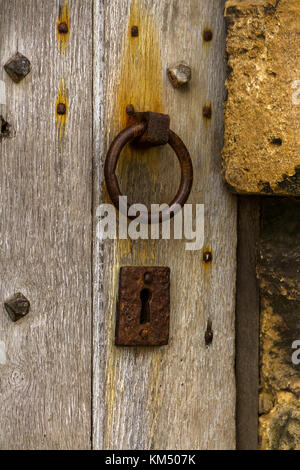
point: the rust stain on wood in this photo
(63, 26)
(61, 118)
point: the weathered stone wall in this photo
(279, 275)
(262, 116)
(262, 156)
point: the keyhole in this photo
(145, 310)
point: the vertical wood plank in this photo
(181, 396)
(247, 324)
(45, 223)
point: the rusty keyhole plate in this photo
(143, 307)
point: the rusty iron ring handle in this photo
(113, 154)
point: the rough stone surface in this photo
(262, 115)
(279, 274)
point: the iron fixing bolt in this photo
(17, 306)
(17, 67)
(207, 256)
(206, 111)
(148, 278)
(129, 109)
(63, 28)
(179, 74)
(61, 109)
(207, 35)
(134, 31)
(144, 334)
(208, 333)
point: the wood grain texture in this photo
(247, 324)
(181, 396)
(45, 203)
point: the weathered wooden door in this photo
(63, 382)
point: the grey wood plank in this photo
(45, 224)
(181, 396)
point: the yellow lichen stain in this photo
(61, 119)
(140, 82)
(63, 17)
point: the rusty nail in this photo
(129, 109)
(206, 111)
(63, 28)
(61, 108)
(208, 333)
(148, 278)
(17, 67)
(144, 334)
(17, 306)
(207, 256)
(207, 35)
(134, 31)
(179, 74)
